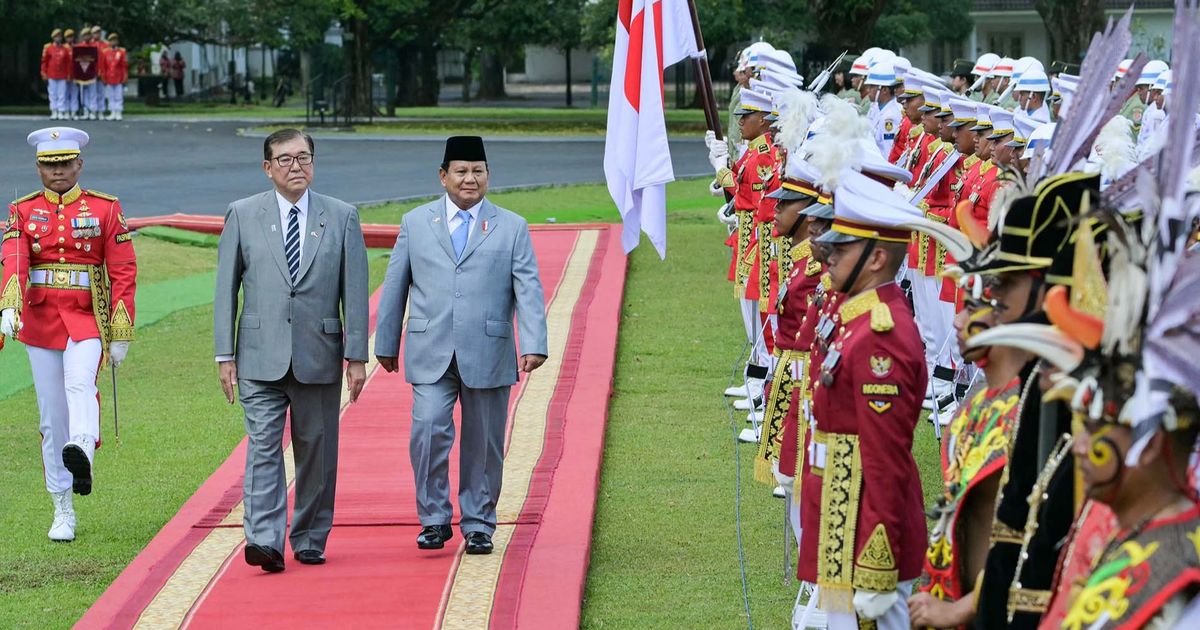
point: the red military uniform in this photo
(56, 61)
(904, 137)
(925, 150)
(863, 499)
(964, 181)
(795, 426)
(803, 279)
(114, 65)
(747, 183)
(57, 252)
(982, 191)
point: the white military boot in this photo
(63, 528)
(77, 457)
(117, 116)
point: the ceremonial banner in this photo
(651, 35)
(85, 62)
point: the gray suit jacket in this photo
(462, 308)
(284, 325)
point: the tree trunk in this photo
(491, 76)
(428, 85)
(468, 67)
(356, 89)
(406, 78)
(1070, 25)
(567, 53)
(305, 71)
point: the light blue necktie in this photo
(459, 237)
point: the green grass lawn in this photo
(498, 121)
(664, 552)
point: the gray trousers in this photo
(480, 457)
(315, 410)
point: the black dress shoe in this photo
(479, 543)
(310, 556)
(434, 536)
(267, 558)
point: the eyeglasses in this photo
(286, 161)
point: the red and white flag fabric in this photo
(651, 35)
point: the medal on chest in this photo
(85, 227)
(830, 362)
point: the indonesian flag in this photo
(651, 35)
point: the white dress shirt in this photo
(285, 208)
(453, 220)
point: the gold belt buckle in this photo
(62, 278)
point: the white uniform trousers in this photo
(57, 89)
(68, 402)
(935, 320)
(750, 320)
(89, 96)
(72, 97)
(115, 95)
(896, 618)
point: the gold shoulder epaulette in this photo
(96, 193)
(27, 197)
(916, 130)
(936, 145)
(970, 161)
(881, 317)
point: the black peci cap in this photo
(465, 148)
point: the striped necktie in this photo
(291, 243)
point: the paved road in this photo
(160, 167)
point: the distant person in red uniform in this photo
(177, 67)
(164, 70)
(114, 72)
(68, 294)
(56, 72)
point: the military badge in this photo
(881, 365)
(879, 406)
(765, 172)
(121, 219)
(888, 126)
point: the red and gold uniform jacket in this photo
(747, 184)
(863, 496)
(982, 190)
(765, 266)
(1139, 574)
(926, 148)
(794, 437)
(804, 276)
(114, 65)
(904, 137)
(56, 61)
(69, 268)
(963, 187)
(974, 448)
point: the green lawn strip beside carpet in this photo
(176, 428)
(180, 237)
(574, 203)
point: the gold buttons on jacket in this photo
(62, 239)
(62, 228)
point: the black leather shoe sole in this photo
(310, 556)
(77, 462)
(265, 558)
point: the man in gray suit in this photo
(300, 261)
(462, 266)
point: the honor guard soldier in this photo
(56, 72)
(863, 513)
(881, 86)
(981, 90)
(67, 294)
(796, 193)
(114, 72)
(747, 182)
(72, 87)
(960, 76)
(1033, 88)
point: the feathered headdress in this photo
(836, 147)
(797, 111)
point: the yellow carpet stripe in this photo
(469, 605)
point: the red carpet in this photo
(192, 574)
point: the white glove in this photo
(781, 478)
(718, 156)
(8, 322)
(710, 141)
(872, 605)
(725, 215)
(117, 351)
(715, 189)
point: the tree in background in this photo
(1070, 24)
